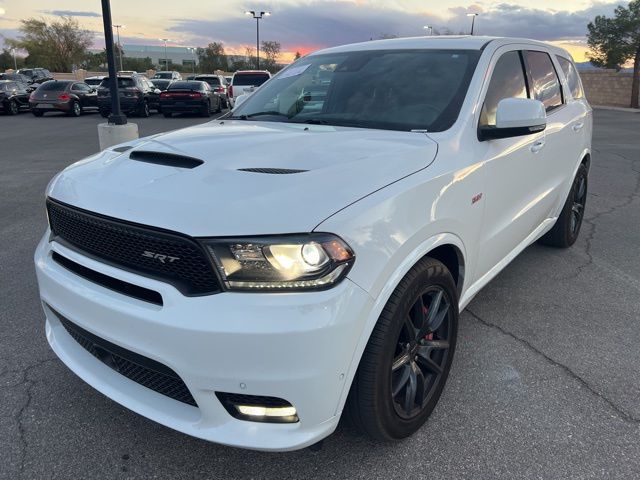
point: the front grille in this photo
(145, 371)
(166, 256)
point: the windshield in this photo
(123, 82)
(212, 81)
(188, 85)
(4, 87)
(250, 79)
(163, 75)
(362, 89)
(92, 81)
(53, 85)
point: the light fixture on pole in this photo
(193, 57)
(473, 20)
(258, 16)
(15, 62)
(118, 27)
(429, 28)
(166, 60)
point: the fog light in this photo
(258, 408)
(255, 411)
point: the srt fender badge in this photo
(160, 257)
(476, 198)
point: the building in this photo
(179, 56)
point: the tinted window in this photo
(92, 81)
(53, 85)
(545, 84)
(507, 81)
(4, 86)
(213, 81)
(123, 82)
(360, 89)
(168, 75)
(185, 86)
(571, 74)
(256, 79)
(82, 87)
(161, 84)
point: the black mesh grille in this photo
(272, 171)
(166, 256)
(140, 369)
(168, 159)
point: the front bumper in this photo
(295, 346)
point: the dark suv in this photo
(36, 75)
(137, 95)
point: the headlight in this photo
(293, 262)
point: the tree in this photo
(6, 60)
(297, 56)
(271, 51)
(616, 40)
(250, 57)
(212, 58)
(58, 45)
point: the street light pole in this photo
(118, 27)
(116, 117)
(166, 60)
(15, 62)
(258, 16)
(473, 20)
(193, 57)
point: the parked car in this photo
(161, 84)
(94, 81)
(68, 96)
(36, 75)
(137, 96)
(247, 281)
(168, 75)
(18, 77)
(228, 79)
(189, 96)
(14, 96)
(246, 81)
(191, 77)
(218, 85)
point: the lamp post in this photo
(116, 117)
(166, 60)
(193, 57)
(429, 28)
(473, 20)
(258, 16)
(118, 27)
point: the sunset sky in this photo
(307, 25)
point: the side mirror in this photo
(516, 117)
(239, 100)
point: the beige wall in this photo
(607, 87)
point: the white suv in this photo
(248, 280)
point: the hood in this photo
(216, 198)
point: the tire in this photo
(391, 362)
(144, 110)
(13, 108)
(225, 103)
(206, 110)
(75, 110)
(104, 113)
(219, 108)
(567, 227)
(37, 113)
(166, 114)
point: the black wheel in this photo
(225, 103)
(104, 113)
(14, 108)
(219, 108)
(75, 110)
(206, 110)
(407, 359)
(37, 113)
(567, 228)
(166, 114)
(144, 109)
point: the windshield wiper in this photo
(258, 114)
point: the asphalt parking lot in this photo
(545, 383)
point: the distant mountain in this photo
(586, 66)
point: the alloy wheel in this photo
(13, 107)
(579, 200)
(421, 352)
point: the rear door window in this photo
(545, 84)
(507, 81)
(573, 79)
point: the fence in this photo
(607, 87)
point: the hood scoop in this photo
(167, 159)
(272, 171)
